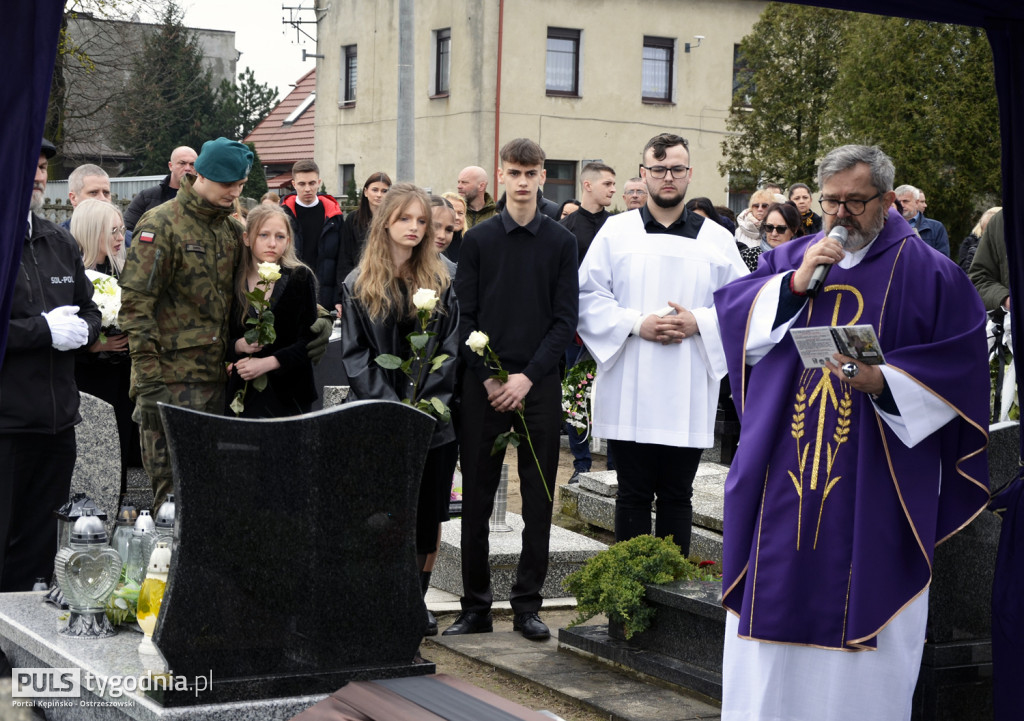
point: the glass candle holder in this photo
(87, 571)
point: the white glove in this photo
(67, 330)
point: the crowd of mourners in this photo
(518, 291)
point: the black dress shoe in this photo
(470, 622)
(431, 625)
(530, 625)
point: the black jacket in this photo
(328, 246)
(290, 389)
(363, 339)
(37, 382)
(146, 199)
(353, 239)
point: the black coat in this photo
(146, 199)
(290, 389)
(37, 382)
(328, 246)
(353, 239)
(363, 339)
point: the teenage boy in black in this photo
(517, 283)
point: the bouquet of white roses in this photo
(106, 294)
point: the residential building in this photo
(587, 79)
(93, 88)
(286, 134)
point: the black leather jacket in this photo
(363, 339)
(37, 382)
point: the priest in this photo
(833, 506)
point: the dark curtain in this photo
(29, 34)
(1008, 584)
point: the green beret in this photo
(224, 161)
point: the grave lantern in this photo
(126, 518)
(152, 595)
(164, 530)
(87, 570)
(135, 564)
(66, 517)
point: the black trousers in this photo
(647, 471)
(435, 492)
(481, 473)
(35, 480)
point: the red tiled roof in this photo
(280, 144)
(284, 180)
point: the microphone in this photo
(817, 280)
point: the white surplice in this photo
(645, 391)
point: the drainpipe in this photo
(405, 162)
(497, 94)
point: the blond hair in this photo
(90, 226)
(453, 197)
(257, 218)
(379, 286)
(762, 196)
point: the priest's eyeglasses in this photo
(853, 206)
(659, 171)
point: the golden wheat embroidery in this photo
(840, 436)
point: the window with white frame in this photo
(562, 69)
(658, 59)
(349, 66)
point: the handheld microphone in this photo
(817, 280)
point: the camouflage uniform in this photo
(177, 286)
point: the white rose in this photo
(477, 342)
(425, 299)
(269, 271)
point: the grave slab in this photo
(567, 553)
(593, 501)
(29, 639)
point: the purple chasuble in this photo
(830, 521)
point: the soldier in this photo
(177, 287)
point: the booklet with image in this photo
(817, 345)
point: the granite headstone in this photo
(294, 564)
(97, 471)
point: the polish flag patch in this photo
(146, 237)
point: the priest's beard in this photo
(863, 228)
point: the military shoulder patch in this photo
(146, 237)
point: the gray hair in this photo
(76, 181)
(846, 156)
(908, 190)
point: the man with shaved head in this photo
(472, 185)
(183, 160)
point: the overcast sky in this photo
(267, 45)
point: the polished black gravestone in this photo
(294, 563)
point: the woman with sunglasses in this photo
(748, 223)
(781, 224)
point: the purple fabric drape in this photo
(29, 33)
